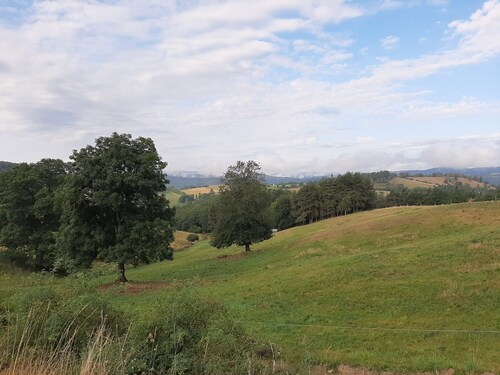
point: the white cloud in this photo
(390, 42)
(462, 156)
(466, 106)
(218, 75)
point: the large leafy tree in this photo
(115, 209)
(243, 208)
(29, 211)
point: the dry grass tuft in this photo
(311, 252)
(475, 245)
(20, 357)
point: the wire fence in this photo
(384, 329)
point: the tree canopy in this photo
(243, 207)
(29, 211)
(114, 206)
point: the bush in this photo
(189, 335)
(193, 237)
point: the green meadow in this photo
(173, 197)
(400, 289)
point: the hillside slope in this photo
(412, 288)
(430, 182)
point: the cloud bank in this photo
(212, 82)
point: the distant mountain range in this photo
(490, 175)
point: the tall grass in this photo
(24, 349)
(79, 335)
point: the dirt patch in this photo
(134, 287)
(475, 245)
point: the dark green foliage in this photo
(189, 335)
(354, 193)
(191, 237)
(113, 206)
(308, 204)
(243, 215)
(443, 194)
(30, 213)
(198, 216)
(333, 196)
(381, 176)
(283, 211)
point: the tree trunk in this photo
(247, 247)
(121, 272)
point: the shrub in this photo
(189, 335)
(193, 237)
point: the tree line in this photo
(442, 194)
(333, 196)
(107, 203)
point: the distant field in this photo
(410, 183)
(401, 289)
(202, 190)
(172, 197)
(414, 182)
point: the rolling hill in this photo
(490, 175)
(406, 289)
(400, 289)
(432, 181)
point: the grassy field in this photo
(429, 182)
(402, 289)
(173, 197)
(202, 190)
(410, 183)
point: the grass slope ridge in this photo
(367, 289)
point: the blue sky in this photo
(304, 87)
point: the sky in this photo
(304, 87)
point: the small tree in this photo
(114, 207)
(243, 211)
